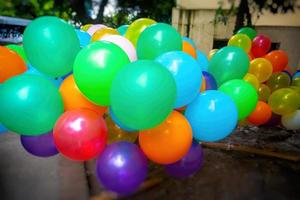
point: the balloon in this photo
(210, 81)
(29, 104)
(278, 80)
(80, 134)
(228, 63)
(250, 32)
(212, 53)
(41, 145)
(158, 39)
(250, 78)
(182, 65)
(261, 115)
(86, 27)
(122, 167)
(95, 68)
(264, 92)
(189, 49)
(124, 44)
(240, 40)
(291, 121)
(103, 32)
(73, 99)
(250, 55)
(274, 121)
(84, 37)
(122, 29)
(243, 94)
(288, 70)
(168, 142)
(279, 60)
(51, 45)
(2, 129)
(261, 44)
(203, 85)
(92, 29)
(296, 82)
(212, 115)
(118, 123)
(19, 50)
(295, 88)
(284, 101)
(261, 68)
(136, 28)
(143, 94)
(116, 134)
(190, 41)
(297, 74)
(201, 58)
(11, 64)
(189, 164)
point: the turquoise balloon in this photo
(143, 94)
(229, 63)
(51, 45)
(122, 29)
(29, 104)
(202, 59)
(158, 39)
(212, 116)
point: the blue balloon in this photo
(187, 74)
(117, 122)
(84, 37)
(202, 59)
(2, 129)
(122, 29)
(56, 81)
(297, 74)
(212, 116)
(210, 81)
(189, 40)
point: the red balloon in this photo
(80, 134)
(279, 60)
(261, 44)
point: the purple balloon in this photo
(122, 167)
(189, 164)
(41, 145)
(211, 83)
(274, 121)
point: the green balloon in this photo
(243, 94)
(29, 104)
(95, 67)
(250, 32)
(51, 45)
(158, 39)
(229, 63)
(19, 50)
(143, 94)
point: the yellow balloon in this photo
(212, 53)
(261, 68)
(278, 80)
(136, 28)
(116, 134)
(296, 82)
(240, 40)
(284, 101)
(86, 27)
(264, 92)
(296, 88)
(250, 78)
(102, 32)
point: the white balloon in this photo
(95, 28)
(291, 121)
(124, 44)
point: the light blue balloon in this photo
(2, 129)
(56, 81)
(202, 59)
(212, 116)
(122, 29)
(114, 118)
(187, 74)
(84, 37)
(297, 74)
(189, 40)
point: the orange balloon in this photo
(189, 49)
(261, 115)
(11, 64)
(168, 142)
(251, 56)
(203, 86)
(279, 60)
(73, 98)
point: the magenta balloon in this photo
(261, 44)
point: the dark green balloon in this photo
(158, 39)
(143, 94)
(19, 50)
(51, 45)
(29, 104)
(250, 32)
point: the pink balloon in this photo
(95, 28)
(124, 44)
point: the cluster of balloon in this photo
(95, 91)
